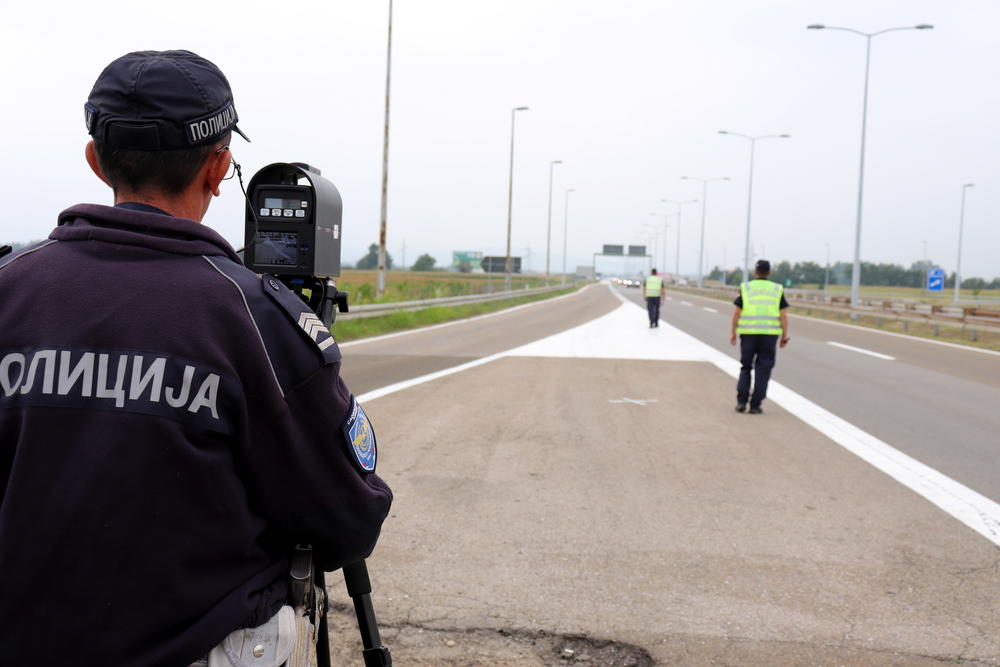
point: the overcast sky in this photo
(630, 94)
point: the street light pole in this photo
(961, 222)
(510, 197)
(680, 208)
(704, 205)
(565, 231)
(856, 271)
(663, 256)
(548, 228)
(753, 143)
(380, 278)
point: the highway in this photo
(938, 403)
(566, 476)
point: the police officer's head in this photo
(161, 123)
(653, 272)
(762, 268)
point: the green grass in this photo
(366, 327)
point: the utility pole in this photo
(380, 280)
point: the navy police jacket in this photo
(171, 425)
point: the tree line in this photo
(882, 275)
(370, 261)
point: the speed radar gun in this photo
(293, 233)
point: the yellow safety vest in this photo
(654, 285)
(761, 313)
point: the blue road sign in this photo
(935, 280)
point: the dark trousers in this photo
(757, 353)
(653, 306)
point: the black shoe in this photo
(651, 325)
(740, 407)
(656, 324)
(756, 411)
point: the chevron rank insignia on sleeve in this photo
(306, 320)
(315, 329)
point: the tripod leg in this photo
(359, 587)
(322, 631)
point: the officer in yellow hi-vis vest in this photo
(760, 320)
(654, 293)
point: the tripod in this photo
(326, 300)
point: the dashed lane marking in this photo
(861, 350)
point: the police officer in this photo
(654, 293)
(760, 320)
(168, 432)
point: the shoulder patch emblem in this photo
(360, 438)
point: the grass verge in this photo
(366, 327)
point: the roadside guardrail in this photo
(970, 319)
(375, 309)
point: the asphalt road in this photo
(939, 404)
(586, 476)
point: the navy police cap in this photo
(160, 100)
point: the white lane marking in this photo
(861, 350)
(620, 335)
(967, 348)
(374, 339)
(406, 384)
(711, 310)
(686, 303)
(636, 401)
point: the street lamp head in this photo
(969, 185)
(520, 108)
(784, 136)
(815, 26)
(923, 26)
(723, 132)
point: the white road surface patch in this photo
(861, 350)
(711, 310)
(624, 334)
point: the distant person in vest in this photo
(654, 293)
(760, 320)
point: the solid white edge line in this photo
(711, 310)
(406, 384)
(374, 339)
(861, 350)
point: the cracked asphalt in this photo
(530, 513)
